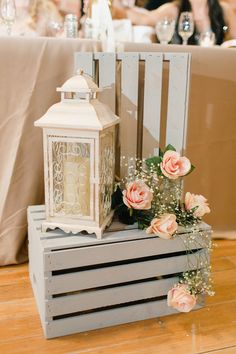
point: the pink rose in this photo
(180, 298)
(173, 165)
(164, 227)
(137, 195)
(196, 201)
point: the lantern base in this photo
(77, 228)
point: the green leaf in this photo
(153, 161)
(123, 213)
(161, 153)
(169, 147)
(116, 198)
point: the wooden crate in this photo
(81, 283)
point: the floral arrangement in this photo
(151, 196)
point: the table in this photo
(31, 69)
(211, 143)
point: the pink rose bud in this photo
(173, 165)
(137, 195)
(196, 201)
(180, 298)
(164, 227)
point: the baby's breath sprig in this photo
(150, 194)
(198, 281)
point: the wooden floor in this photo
(209, 330)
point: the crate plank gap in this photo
(82, 284)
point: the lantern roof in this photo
(79, 83)
(88, 115)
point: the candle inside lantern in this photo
(77, 185)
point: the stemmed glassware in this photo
(207, 39)
(128, 3)
(8, 13)
(185, 26)
(165, 30)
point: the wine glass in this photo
(54, 28)
(165, 30)
(207, 39)
(8, 13)
(128, 3)
(185, 26)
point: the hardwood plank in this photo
(230, 350)
(13, 274)
(22, 308)
(194, 332)
(224, 248)
(224, 287)
(19, 328)
(232, 259)
(16, 291)
(223, 263)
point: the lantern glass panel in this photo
(70, 177)
(107, 166)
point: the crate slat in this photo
(152, 102)
(117, 274)
(129, 102)
(113, 252)
(107, 297)
(178, 101)
(84, 61)
(108, 318)
(36, 272)
(107, 79)
(57, 239)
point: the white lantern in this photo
(79, 159)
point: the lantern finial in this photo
(80, 72)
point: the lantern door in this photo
(71, 177)
(107, 172)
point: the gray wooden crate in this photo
(81, 283)
(140, 110)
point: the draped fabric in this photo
(31, 69)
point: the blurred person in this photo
(43, 14)
(69, 7)
(232, 4)
(154, 4)
(209, 15)
(34, 18)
